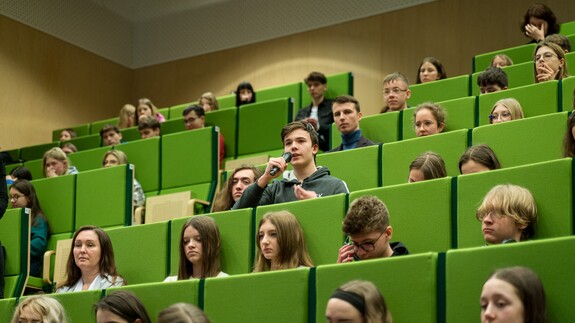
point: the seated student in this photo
(550, 62)
(195, 118)
(501, 60)
(428, 119)
(347, 116)
(147, 108)
(396, 92)
(426, 166)
(69, 148)
(245, 94)
(560, 40)
(127, 117)
(184, 313)
(199, 250)
(508, 213)
(23, 195)
(117, 157)
(430, 70)
(569, 137)
(478, 158)
(149, 127)
(56, 163)
(366, 225)
(121, 306)
(306, 181)
(209, 102)
(493, 79)
(281, 243)
(67, 134)
(538, 22)
(319, 112)
(91, 264)
(111, 135)
(39, 308)
(234, 187)
(506, 110)
(357, 301)
(18, 172)
(513, 294)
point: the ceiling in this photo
(139, 33)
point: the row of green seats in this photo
(428, 287)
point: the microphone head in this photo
(287, 156)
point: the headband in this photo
(352, 298)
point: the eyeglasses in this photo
(15, 197)
(190, 120)
(492, 214)
(502, 116)
(425, 124)
(395, 90)
(546, 56)
(366, 246)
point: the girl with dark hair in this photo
(121, 306)
(538, 22)
(430, 70)
(245, 94)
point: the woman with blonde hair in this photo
(428, 119)
(182, 313)
(508, 213)
(56, 163)
(357, 301)
(39, 308)
(501, 60)
(147, 108)
(281, 243)
(506, 110)
(127, 117)
(428, 165)
(199, 250)
(209, 102)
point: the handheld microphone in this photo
(287, 157)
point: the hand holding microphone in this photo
(286, 157)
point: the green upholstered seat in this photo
(419, 213)
(36, 151)
(568, 93)
(567, 28)
(442, 90)
(517, 75)
(35, 168)
(407, 283)
(518, 54)
(86, 142)
(89, 159)
(172, 126)
(7, 307)
(379, 128)
(282, 296)
(468, 269)
(536, 99)
(145, 156)
(11, 156)
(519, 143)
(177, 110)
(292, 90)
(15, 237)
(320, 220)
(104, 197)
(337, 84)
(57, 197)
(227, 101)
(551, 184)
(97, 125)
(345, 165)
(227, 121)
(81, 130)
(131, 134)
(397, 156)
(79, 306)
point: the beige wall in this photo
(49, 84)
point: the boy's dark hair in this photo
(316, 77)
(148, 123)
(194, 107)
(493, 76)
(347, 99)
(109, 127)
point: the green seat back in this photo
(236, 241)
(36, 151)
(89, 159)
(145, 156)
(406, 201)
(516, 143)
(81, 130)
(292, 90)
(518, 54)
(227, 101)
(459, 114)
(172, 126)
(97, 125)
(7, 307)
(517, 75)
(35, 168)
(14, 156)
(227, 121)
(198, 150)
(567, 93)
(570, 60)
(468, 269)
(135, 246)
(550, 183)
(104, 197)
(337, 84)
(57, 198)
(320, 220)
(10, 167)
(131, 134)
(79, 306)
(286, 297)
(158, 296)
(413, 285)
(345, 164)
(87, 142)
(379, 128)
(397, 156)
(177, 110)
(567, 28)
(442, 90)
(14, 235)
(535, 100)
(270, 117)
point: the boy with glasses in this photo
(195, 118)
(367, 226)
(395, 92)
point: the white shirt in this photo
(175, 278)
(100, 282)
